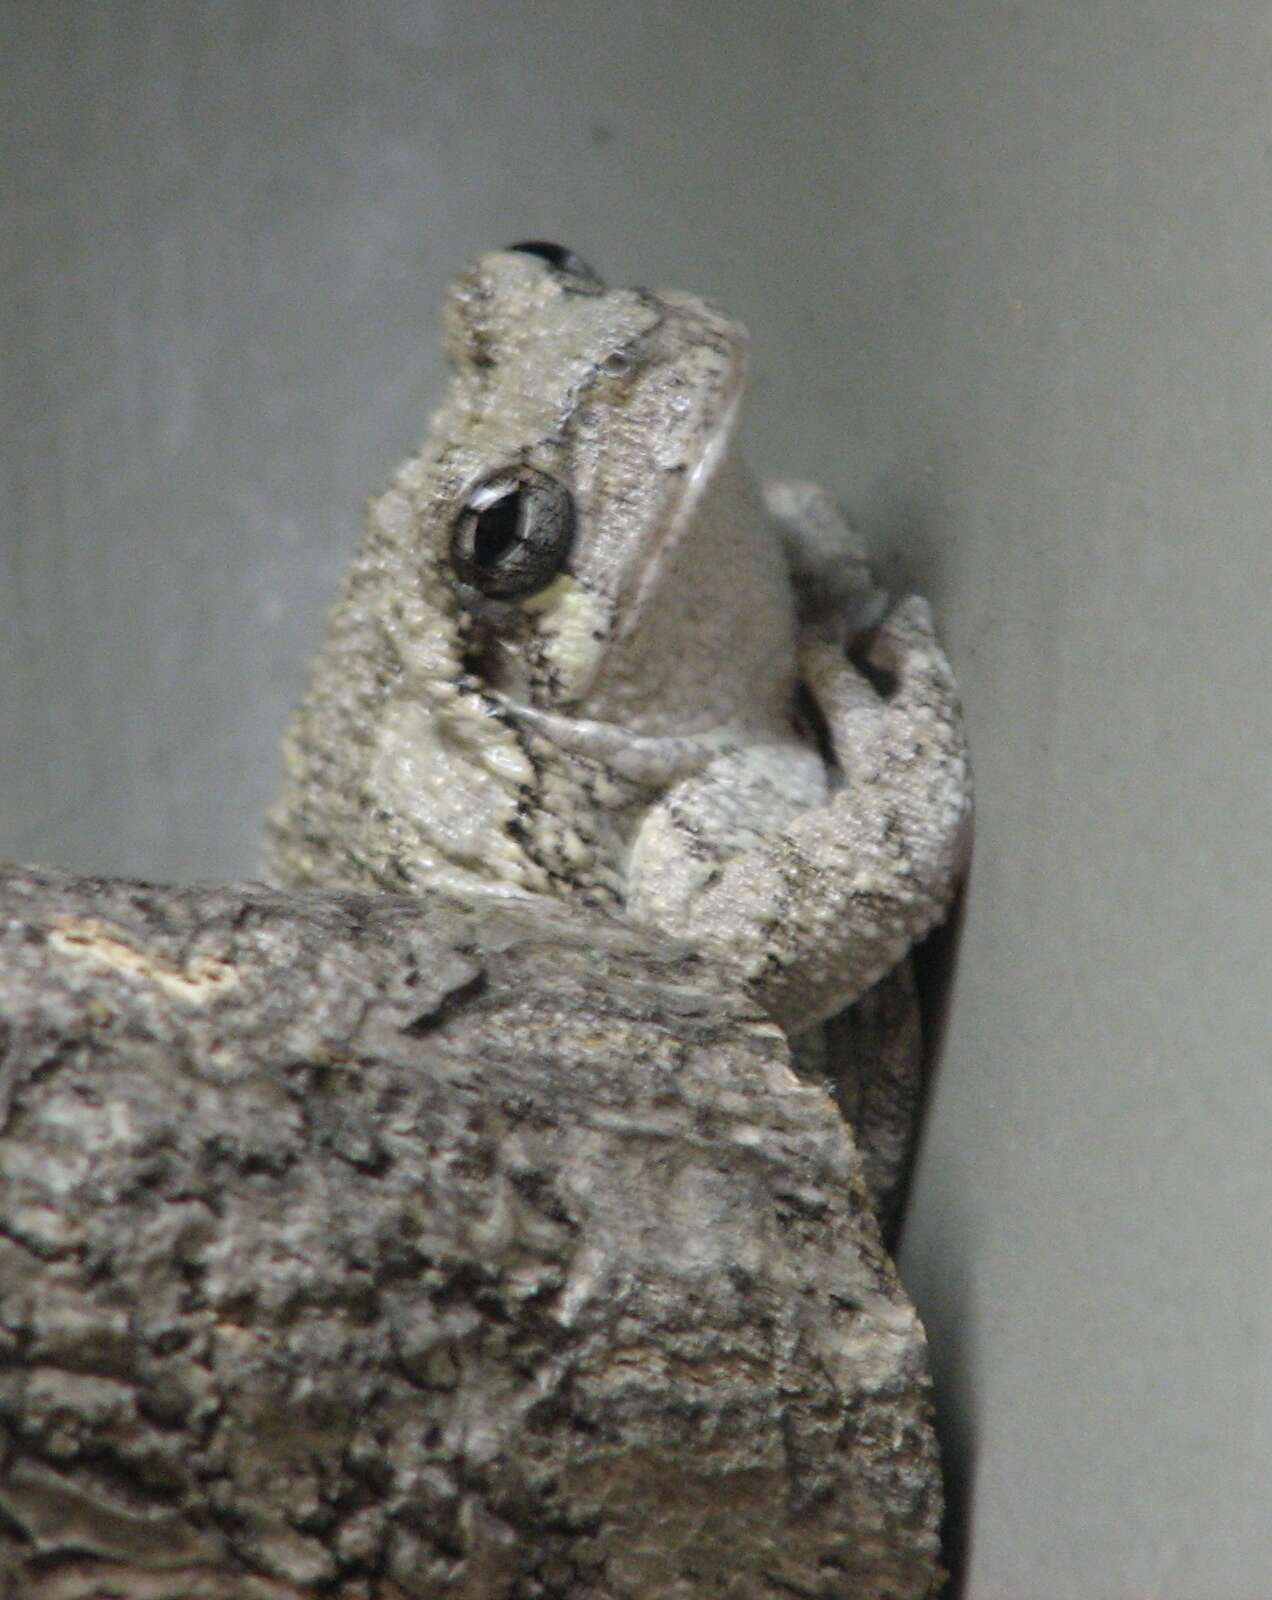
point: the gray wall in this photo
(1009, 272)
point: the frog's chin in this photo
(655, 760)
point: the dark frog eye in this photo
(513, 533)
(560, 258)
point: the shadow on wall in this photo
(951, 1320)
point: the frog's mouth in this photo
(653, 760)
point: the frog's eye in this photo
(559, 258)
(513, 533)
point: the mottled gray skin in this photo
(629, 735)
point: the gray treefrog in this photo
(580, 653)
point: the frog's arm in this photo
(817, 911)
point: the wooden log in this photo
(379, 1248)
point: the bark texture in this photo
(378, 1248)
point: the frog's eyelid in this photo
(486, 494)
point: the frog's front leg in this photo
(871, 1053)
(816, 911)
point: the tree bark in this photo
(381, 1248)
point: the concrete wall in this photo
(1009, 272)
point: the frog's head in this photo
(579, 505)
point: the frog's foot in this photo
(827, 558)
(840, 893)
(912, 726)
